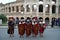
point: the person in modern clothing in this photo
(11, 26)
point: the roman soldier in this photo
(21, 27)
(28, 26)
(42, 26)
(35, 27)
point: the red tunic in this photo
(41, 29)
(21, 28)
(35, 29)
(28, 29)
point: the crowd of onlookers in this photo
(55, 22)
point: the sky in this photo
(6, 1)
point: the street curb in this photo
(3, 25)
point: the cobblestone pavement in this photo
(49, 34)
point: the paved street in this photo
(49, 34)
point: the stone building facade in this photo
(1, 8)
(46, 9)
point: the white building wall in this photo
(31, 13)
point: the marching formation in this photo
(27, 26)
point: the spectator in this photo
(17, 20)
(11, 26)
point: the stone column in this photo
(14, 9)
(44, 10)
(37, 10)
(57, 8)
(56, 11)
(50, 12)
(11, 10)
(31, 9)
(24, 8)
(7, 10)
(19, 8)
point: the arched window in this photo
(40, 18)
(28, 8)
(13, 8)
(47, 20)
(54, 1)
(6, 9)
(17, 8)
(9, 9)
(47, 8)
(53, 9)
(40, 8)
(22, 8)
(40, 0)
(34, 8)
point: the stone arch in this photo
(22, 8)
(47, 20)
(47, 8)
(40, 8)
(54, 1)
(9, 9)
(34, 7)
(17, 8)
(40, 18)
(40, 0)
(53, 8)
(28, 8)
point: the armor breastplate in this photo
(28, 22)
(21, 22)
(33, 23)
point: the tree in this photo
(3, 17)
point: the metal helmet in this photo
(22, 17)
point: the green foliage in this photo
(3, 17)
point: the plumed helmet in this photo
(22, 17)
(34, 18)
(28, 18)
